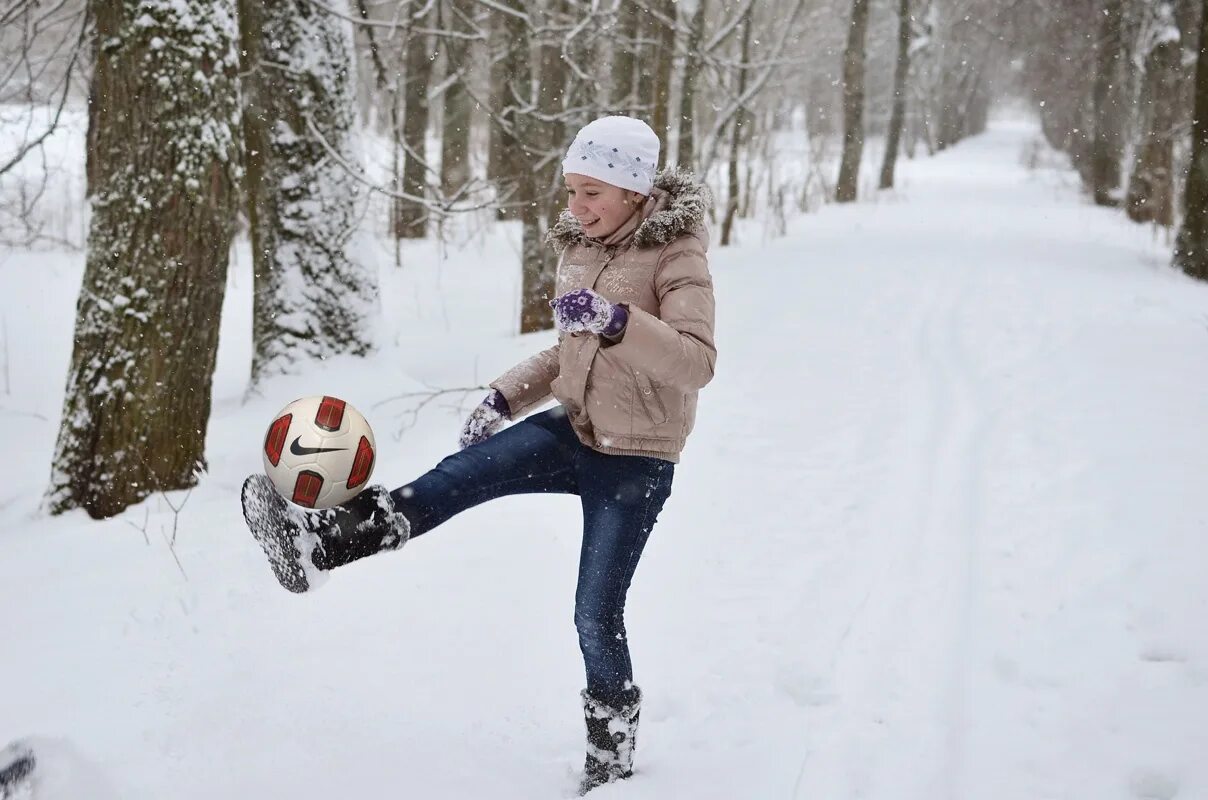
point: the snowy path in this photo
(937, 537)
(940, 411)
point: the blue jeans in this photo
(622, 497)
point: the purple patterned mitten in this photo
(485, 420)
(585, 311)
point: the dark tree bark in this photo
(853, 103)
(541, 137)
(1191, 246)
(624, 59)
(510, 72)
(656, 83)
(411, 216)
(137, 404)
(736, 136)
(1151, 186)
(455, 133)
(1107, 148)
(686, 145)
(313, 298)
(897, 117)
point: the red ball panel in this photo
(274, 442)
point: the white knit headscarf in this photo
(622, 151)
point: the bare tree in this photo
(686, 144)
(542, 136)
(736, 133)
(853, 103)
(410, 212)
(455, 128)
(654, 79)
(1151, 185)
(625, 57)
(898, 118)
(163, 176)
(510, 73)
(1107, 146)
(45, 58)
(1191, 246)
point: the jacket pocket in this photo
(651, 400)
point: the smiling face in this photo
(599, 207)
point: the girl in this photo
(634, 311)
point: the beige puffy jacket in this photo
(635, 396)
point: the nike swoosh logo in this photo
(299, 450)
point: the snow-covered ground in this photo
(940, 534)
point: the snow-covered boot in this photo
(611, 738)
(302, 545)
(16, 769)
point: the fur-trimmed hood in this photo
(688, 203)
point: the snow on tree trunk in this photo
(853, 104)
(165, 121)
(897, 117)
(1191, 247)
(314, 298)
(1151, 186)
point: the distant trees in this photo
(470, 106)
(1112, 85)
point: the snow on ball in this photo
(319, 452)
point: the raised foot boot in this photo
(303, 545)
(611, 738)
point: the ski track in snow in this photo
(937, 537)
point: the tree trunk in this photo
(853, 104)
(455, 134)
(411, 216)
(897, 117)
(685, 155)
(137, 403)
(1107, 147)
(624, 59)
(736, 135)
(314, 298)
(541, 136)
(662, 32)
(1151, 186)
(1191, 246)
(510, 71)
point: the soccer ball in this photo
(319, 452)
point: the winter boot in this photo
(302, 545)
(611, 738)
(16, 770)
